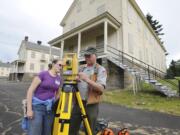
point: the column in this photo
(105, 36)
(50, 54)
(118, 38)
(79, 44)
(62, 49)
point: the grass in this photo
(170, 85)
(148, 99)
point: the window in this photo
(130, 13)
(147, 55)
(42, 67)
(146, 33)
(139, 26)
(140, 55)
(152, 60)
(31, 66)
(130, 43)
(91, 1)
(151, 40)
(72, 25)
(100, 41)
(101, 9)
(79, 6)
(43, 56)
(33, 54)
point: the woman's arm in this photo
(36, 81)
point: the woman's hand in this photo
(30, 114)
(35, 83)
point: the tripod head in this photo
(70, 70)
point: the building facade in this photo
(32, 59)
(4, 70)
(114, 27)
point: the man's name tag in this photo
(57, 82)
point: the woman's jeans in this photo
(42, 121)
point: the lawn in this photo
(147, 98)
(175, 81)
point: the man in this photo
(91, 83)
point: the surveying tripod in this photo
(64, 108)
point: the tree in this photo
(156, 26)
(173, 70)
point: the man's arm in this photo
(99, 85)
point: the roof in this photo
(135, 5)
(40, 48)
(91, 21)
(17, 61)
(7, 65)
(68, 12)
(141, 14)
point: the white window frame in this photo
(42, 67)
(33, 54)
(101, 9)
(72, 25)
(131, 43)
(91, 1)
(31, 66)
(78, 6)
(129, 12)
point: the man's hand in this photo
(83, 76)
(98, 87)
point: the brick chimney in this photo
(26, 38)
(39, 42)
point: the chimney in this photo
(26, 38)
(39, 42)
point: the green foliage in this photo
(155, 25)
(173, 70)
(169, 84)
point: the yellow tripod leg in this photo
(83, 112)
(65, 114)
(56, 124)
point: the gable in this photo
(68, 12)
(82, 11)
(22, 46)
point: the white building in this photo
(32, 58)
(118, 29)
(4, 70)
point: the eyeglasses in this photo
(60, 65)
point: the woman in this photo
(40, 97)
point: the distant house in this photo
(120, 32)
(32, 58)
(4, 69)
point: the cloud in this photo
(37, 19)
(9, 53)
(166, 13)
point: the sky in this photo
(40, 19)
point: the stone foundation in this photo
(117, 77)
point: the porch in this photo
(99, 32)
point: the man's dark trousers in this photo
(76, 119)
